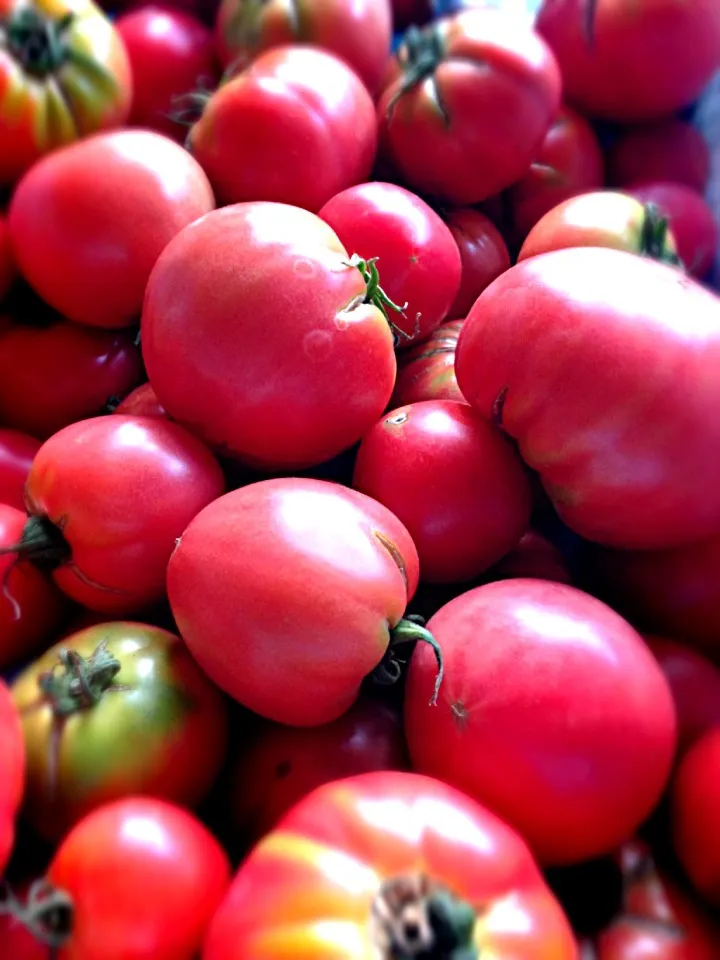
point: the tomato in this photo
(603, 219)
(51, 376)
(87, 244)
(7, 262)
(695, 801)
(415, 250)
(662, 151)
(427, 370)
(17, 451)
(323, 355)
(475, 97)
(171, 53)
(565, 712)
(358, 33)
(483, 254)
(141, 402)
(64, 73)
(453, 480)
(12, 772)
(268, 566)
(389, 865)
(535, 557)
(597, 44)
(581, 356)
(691, 220)
(107, 499)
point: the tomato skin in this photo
(427, 370)
(328, 373)
(122, 490)
(12, 772)
(7, 261)
(483, 254)
(663, 151)
(680, 46)
(53, 376)
(17, 451)
(499, 112)
(576, 763)
(415, 251)
(348, 567)
(453, 480)
(141, 402)
(377, 826)
(296, 126)
(535, 557)
(171, 53)
(564, 397)
(91, 260)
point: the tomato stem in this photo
(77, 683)
(42, 543)
(47, 915)
(37, 42)
(375, 294)
(654, 237)
(409, 631)
(422, 50)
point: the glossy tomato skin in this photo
(453, 480)
(497, 91)
(17, 451)
(535, 557)
(54, 375)
(295, 126)
(324, 357)
(144, 877)
(171, 53)
(12, 772)
(564, 398)
(7, 261)
(141, 402)
(84, 87)
(416, 252)
(357, 33)
(120, 490)
(339, 566)
(575, 763)
(427, 370)
(91, 260)
(379, 827)
(483, 255)
(664, 151)
(680, 46)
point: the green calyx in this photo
(654, 237)
(375, 294)
(42, 543)
(408, 632)
(77, 683)
(421, 52)
(37, 42)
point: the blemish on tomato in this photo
(460, 713)
(398, 419)
(394, 554)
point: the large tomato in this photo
(664, 151)
(295, 126)
(582, 357)
(483, 255)
(64, 73)
(107, 499)
(12, 772)
(288, 591)
(17, 451)
(302, 370)
(476, 95)
(87, 244)
(427, 370)
(566, 714)
(7, 261)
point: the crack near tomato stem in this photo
(498, 407)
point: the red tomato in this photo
(7, 262)
(53, 375)
(389, 865)
(414, 248)
(597, 44)
(427, 370)
(691, 220)
(358, 33)
(323, 356)
(567, 717)
(581, 355)
(696, 826)
(87, 244)
(476, 95)
(17, 451)
(296, 126)
(171, 53)
(12, 772)
(64, 73)
(268, 566)
(142, 402)
(108, 498)
(535, 557)
(483, 254)
(453, 480)
(664, 151)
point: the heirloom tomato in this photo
(142, 402)
(12, 772)
(7, 261)
(483, 255)
(664, 151)
(17, 451)
(427, 370)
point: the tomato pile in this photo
(359, 481)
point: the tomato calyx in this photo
(375, 295)
(406, 634)
(423, 49)
(37, 42)
(414, 918)
(42, 543)
(654, 237)
(78, 683)
(47, 914)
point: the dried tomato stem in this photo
(654, 237)
(78, 683)
(42, 543)
(47, 915)
(408, 632)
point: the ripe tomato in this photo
(581, 356)
(87, 244)
(597, 46)
(107, 499)
(664, 151)
(64, 73)
(474, 99)
(453, 480)
(358, 33)
(483, 254)
(171, 53)
(427, 370)
(535, 557)
(116, 710)
(12, 772)
(389, 865)
(51, 376)
(565, 712)
(17, 451)
(416, 251)
(267, 567)
(142, 402)
(7, 262)
(323, 356)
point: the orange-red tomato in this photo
(427, 370)
(141, 402)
